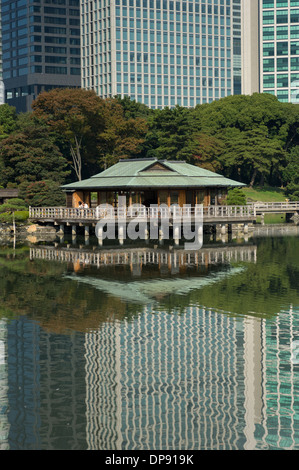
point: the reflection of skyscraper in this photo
(169, 376)
(46, 388)
(180, 382)
(194, 378)
(4, 424)
(280, 412)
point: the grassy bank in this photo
(272, 219)
(266, 194)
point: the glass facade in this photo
(41, 47)
(162, 53)
(2, 97)
(280, 49)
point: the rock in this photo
(32, 232)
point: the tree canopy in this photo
(72, 134)
(76, 117)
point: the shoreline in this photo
(35, 233)
(29, 232)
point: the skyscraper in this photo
(41, 48)
(2, 97)
(162, 52)
(279, 48)
(250, 47)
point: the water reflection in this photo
(172, 265)
(166, 354)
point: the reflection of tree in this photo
(37, 289)
(263, 288)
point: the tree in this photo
(250, 154)
(8, 118)
(133, 109)
(98, 131)
(291, 175)
(121, 136)
(29, 154)
(236, 197)
(170, 134)
(76, 114)
(207, 152)
(42, 193)
(14, 210)
(254, 133)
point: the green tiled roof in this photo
(143, 173)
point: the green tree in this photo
(134, 109)
(15, 209)
(251, 154)
(98, 132)
(208, 149)
(14, 204)
(42, 193)
(291, 175)
(253, 131)
(236, 197)
(77, 115)
(170, 136)
(8, 119)
(122, 136)
(29, 154)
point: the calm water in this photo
(150, 348)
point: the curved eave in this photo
(141, 183)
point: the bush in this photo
(42, 193)
(292, 191)
(19, 216)
(16, 201)
(6, 217)
(14, 204)
(236, 197)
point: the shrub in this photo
(236, 197)
(14, 204)
(21, 216)
(42, 193)
(18, 216)
(6, 217)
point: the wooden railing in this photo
(94, 214)
(278, 207)
(120, 257)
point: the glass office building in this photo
(162, 53)
(280, 49)
(2, 97)
(41, 48)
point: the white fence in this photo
(275, 207)
(76, 214)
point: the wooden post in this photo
(121, 229)
(223, 229)
(176, 235)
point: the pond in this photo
(148, 347)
